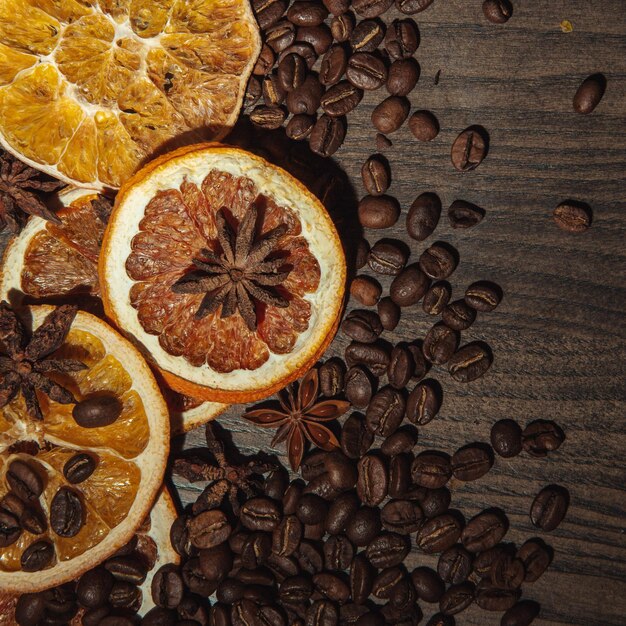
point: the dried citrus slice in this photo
(98, 511)
(90, 89)
(51, 263)
(227, 271)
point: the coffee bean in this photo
(401, 39)
(33, 520)
(427, 583)
(462, 214)
(469, 149)
(362, 253)
(355, 437)
(411, 7)
(549, 507)
(484, 531)
(97, 411)
(216, 562)
(436, 298)
(337, 7)
(378, 211)
(37, 556)
(399, 475)
(507, 572)
(209, 529)
(401, 367)
(521, 614)
(292, 71)
(492, 598)
(287, 535)
(471, 462)
(362, 325)
(281, 567)
(362, 576)
(423, 404)
(385, 411)
(387, 550)
(24, 479)
(310, 557)
(327, 135)
(382, 143)
(589, 94)
(484, 561)
(440, 344)
(322, 613)
(67, 515)
(194, 578)
(375, 357)
(506, 438)
(230, 590)
(454, 565)
(331, 586)
(333, 65)
(340, 99)
(389, 313)
(386, 581)
(167, 587)
(431, 469)
(390, 114)
(409, 286)
(332, 377)
(366, 290)
(470, 362)
(267, 12)
(388, 257)
(367, 36)
(359, 390)
(437, 261)
(127, 568)
(402, 516)
(341, 27)
(304, 50)
(10, 529)
(341, 470)
(439, 619)
(338, 552)
(319, 37)
(402, 78)
(497, 11)
(305, 13)
(296, 589)
(424, 126)
(376, 175)
(439, 533)
(311, 509)
(423, 216)
(79, 468)
(542, 436)
(306, 99)
(456, 598)
(340, 512)
(483, 296)
(371, 8)
(253, 92)
(366, 71)
(94, 587)
(280, 35)
(256, 550)
(300, 126)
(260, 514)
(401, 441)
(458, 315)
(536, 557)
(373, 480)
(419, 362)
(265, 62)
(572, 217)
(30, 609)
(363, 526)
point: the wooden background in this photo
(559, 336)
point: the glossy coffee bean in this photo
(333, 65)
(436, 298)
(269, 117)
(373, 356)
(373, 480)
(363, 526)
(67, 514)
(506, 438)
(30, 609)
(572, 217)
(305, 98)
(94, 587)
(410, 7)
(498, 11)
(359, 389)
(327, 135)
(471, 462)
(378, 212)
(385, 411)
(287, 535)
(491, 598)
(366, 71)
(455, 565)
(340, 512)
(484, 531)
(428, 584)
(386, 581)
(79, 468)
(319, 37)
(521, 614)
(356, 438)
(383, 143)
(322, 613)
(37, 556)
(439, 533)
(402, 78)
(483, 296)
(463, 214)
(341, 27)
(402, 516)
(367, 36)
(541, 437)
(292, 71)
(431, 469)
(470, 362)
(390, 114)
(437, 261)
(401, 441)
(387, 550)
(208, 529)
(389, 313)
(268, 12)
(440, 344)
(456, 598)
(424, 125)
(362, 325)
(409, 286)
(366, 290)
(401, 39)
(388, 257)
(167, 587)
(24, 479)
(439, 619)
(332, 377)
(302, 49)
(280, 35)
(401, 367)
(423, 216)
(507, 572)
(97, 411)
(265, 62)
(126, 568)
(536, 557)
(306, 13)
(423, 404)
(458, 315)
(10, 529)
(340, 99)
(253, 92)
(589, 94)
(469, 149)
(371, 8)
(549, 507)
(375, 175)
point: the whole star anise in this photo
(242, 275)
(301, 417)
(18, 198)
(25, 362)
(227, 478)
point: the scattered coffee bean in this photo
(340, 512)
(268, 12)
(373, 480)
(367, 36)
(458, 315)
(378, 211)
(549, 507)
(362, 253)
(411, 7)
(376, 175)
(390, 114)
(10, 529)
(292, 71)
(440, 344)
(456, 598)
(300, 126)
(362, 325)
(33, 520)
(79, 468)
(280, 35)
(342, 26)
(439, 533)
(97, 411)
(402, 78)
(589, 94)
(287, 535)
(455, 565)
(265, 62)
(306, 98)
(521, 614)
(385, 411)
(469, 149)
(386, 582)
(67, 514)
(497, 11)
(506, 438)
(273, 95)
(536, 557)
(423, 404)
(427, 583)
(401, 39)
(302, 49)
(37, 556)
(371, 8)
(24, 479)
(424, 125)
(572, 217)
(270, 117)
(332, 378)
(542, 436)
(327, 135)
(305, 13)
(409, 286)
(483, 296)
(401, 367)
(484, 531)
(470, 362)
(388, 550)
(389, 313)
(366, 71)
(436, 298)
(356, 439)
(341, 98)
(462, 214)
(388, 257)
(333, 65)
(319, 37)
(359, 387)
(431, 469)
(321, 613)
(507, 572)
(253, 92)
(399, 442)
(260, 514)
(423, 216)
(208, 529)
(437, 261)
(366, 290)
(382, 142)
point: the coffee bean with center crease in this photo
(463, 214)
(428, 585)
(439, 533)
(542, 436)
(280, 35)
(401, 367)
(401, 39)
(386, 581)
(322, 613)
(491, 598)
(287, 535)
(378, 212)
(455, 565)
(401, 441)
(292, 71)
(402, 516)
(401, 80)
(195, 580)
(367, 35)
(362, 325)
(10, 529)
(338, 552)
(411, 7)
(260, 514)
(436, 298)
(265, 62)
(97, 411)
(373, 480)
(268, 12)
(37, 556)
(389, 313)
(469, 149)
(340, 99)
(363, 526)
(208, 529)
(470, 362)
(385, 411)
(270, 117)
(94, 587)
(549, 507)
(497, 11)
(371, 8)
(333, 65)
(536, 557)
(506, 438)
(302, 49)
(437, 261)
(306, 13)
(253, 92)
(387, 550)
(355, 438)
(319, 37)
(507, 572)
(375, 357)
(127, 568)
(521, 614)
(458, 315)
(24, 479)
(485, 560)
(327, 135)
(440, 344)
(589, 94)
(376, 175)
(484, 531)
(400, 475)
(167, 587)
(79, 468)
(299, 127)
(471, 462)
(431, 469)
(332, 586)
(366, 71)
(456, 598)
(423, 216)
(306, 98)
(388, 257)
(341, 27)
(409, 286)
(362, 576)
(423, 404)
(390, 114)
(67, 514)
(33, 520)
(310, 557)
(366, 290)
(332, 377)
(483, 296)
(359, 390)
(572, 217)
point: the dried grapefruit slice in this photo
(89, 90)
(227, 271)
(128, 456)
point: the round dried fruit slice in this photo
(91, 89)
(58, 263)
(84, 437)
(226, 269)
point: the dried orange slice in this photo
(56, 263)
(128, 457)
(90, 89)
(227, 271)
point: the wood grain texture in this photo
(559, 336)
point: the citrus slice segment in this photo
(128, 456)
(227, 271)
(90, 90)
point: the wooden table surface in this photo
(559, 335)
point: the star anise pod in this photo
(242, 275)
(19, 184)
(301, 418)
(226, 477)
(25, 361)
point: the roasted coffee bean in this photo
(300, 126)
(24, 479)
(497, 11)
(470, 362)
(195, 580)
(434, 502)
(216, 562)
(356, 438)
(331, 586)
(167, 587)
(371, 8)
(439, 533)
(340, 512)
(492, 598)
(401, 367)
(97, 411)
(341, 98)
(342, 472)
(507, 572)
(287, 535)
(424, 125)
(378, 212)
(253, 92)
(409, 286)
(437, 261)
(484, 531)
(311, 509)
(79, 468)
(411, 7)
(431, 469)
(362, 253)
(373, 480)
(362, 325)
(310, 557)
(402, 516)
(321, 486)
(471, 462)
(542, 436)
(193, 608)
(389, 313)
(386, 581)
(436, 298)
(455, 565)
(327, 135)
(376, 175)
(67, 515)
(387, 550)
(469, 149)
(367, 35)
(10, 529)
(536, 557)
(366, 290)
(428, 585)
(572, 217)
(485, 560)
(280, 35)
(319, 37)
(402, 78)
(506, 438)
(359, 390)
(366, 71)
(30, 609)
(126, 568)
(388, 257)
(390, 114)
(338, 552)
(265, 61)
(332, 377)
(375, 357)
(13, 505)
(419, 362)
(256, 550)
(33, 520)
(402, 599)
(292, 71)
(458, 315)
(209, 529)
(37, 556)
(589, 94)
(385, 411)
(362, 576)
(306, 98)
(463, 214)
(322, 613)
(549, 507)
(401, 39)
(296, 589)
(456, 598)
(333, 65)
(483, 296)
(260, 514)
(521, 614)
(157, 616)
(302, 49)
(423, 404)
(268, 12)
(423, 216)
(439, 619)
(383, 143)
(401, 441)
(341, 27)
(363, 526)
(244, 612)
(440, 344)
(306, 13)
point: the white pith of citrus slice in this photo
(131, 452)
(163, 217)
(90, 89)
